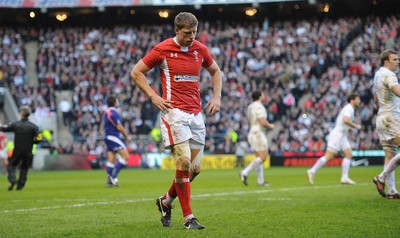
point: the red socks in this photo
(182, 189)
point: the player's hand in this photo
(162, 104)
(213, 106)
(358, 126)
(128, 138)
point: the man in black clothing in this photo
(26, 134)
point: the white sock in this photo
(169, 200)
(346, 162)
(260, 173)
(188, 217)
(320, 162)
(122, 161)
(389, 167)
(388, 174)
(390, 181)
(253, 165)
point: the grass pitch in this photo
(78, 204)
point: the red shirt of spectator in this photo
(180, 72)
(3, 140)
(309, 103)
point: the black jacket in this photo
(25, 135)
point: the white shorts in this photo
(387, 127)
(338, 142)
(258, 141)
(3, 154)
(178, 126)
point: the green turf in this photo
(78, 204)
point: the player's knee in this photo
(330, 154)
(264, 158)
(348, 156)
(183, 163)
(181, 153)
(197, 150)
(125, 155)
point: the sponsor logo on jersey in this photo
(186, 78)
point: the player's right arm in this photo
(9, 127)
(138, 75)
(376, 101)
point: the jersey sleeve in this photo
(153, 58)
(348, 112)
(260, 112)
(207, 60)
(391, 80)
(115, 118)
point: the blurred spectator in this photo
(65, 108)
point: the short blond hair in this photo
(185, 19)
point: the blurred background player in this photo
(257, 116)
(115, 145)
(387, 100)
(241, 148)
(180, 60)
(3, 149)
(338, 141)
(25, 135)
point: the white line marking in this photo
(194, 196)
(275, 199)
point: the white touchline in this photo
(194, 196)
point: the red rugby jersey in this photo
(180, 72)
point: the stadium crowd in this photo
(306, 68)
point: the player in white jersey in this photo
(387, 100)
(257, 115)
(338, 141)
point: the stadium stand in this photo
(306, 67)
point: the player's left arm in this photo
(121, 129)
(214, 105)
(396, 89)
(265, 123)
(347, 120)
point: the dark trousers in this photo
(23, 159)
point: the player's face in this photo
(186, 36)
(357, 101)
(262, 97)
(394, 62)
